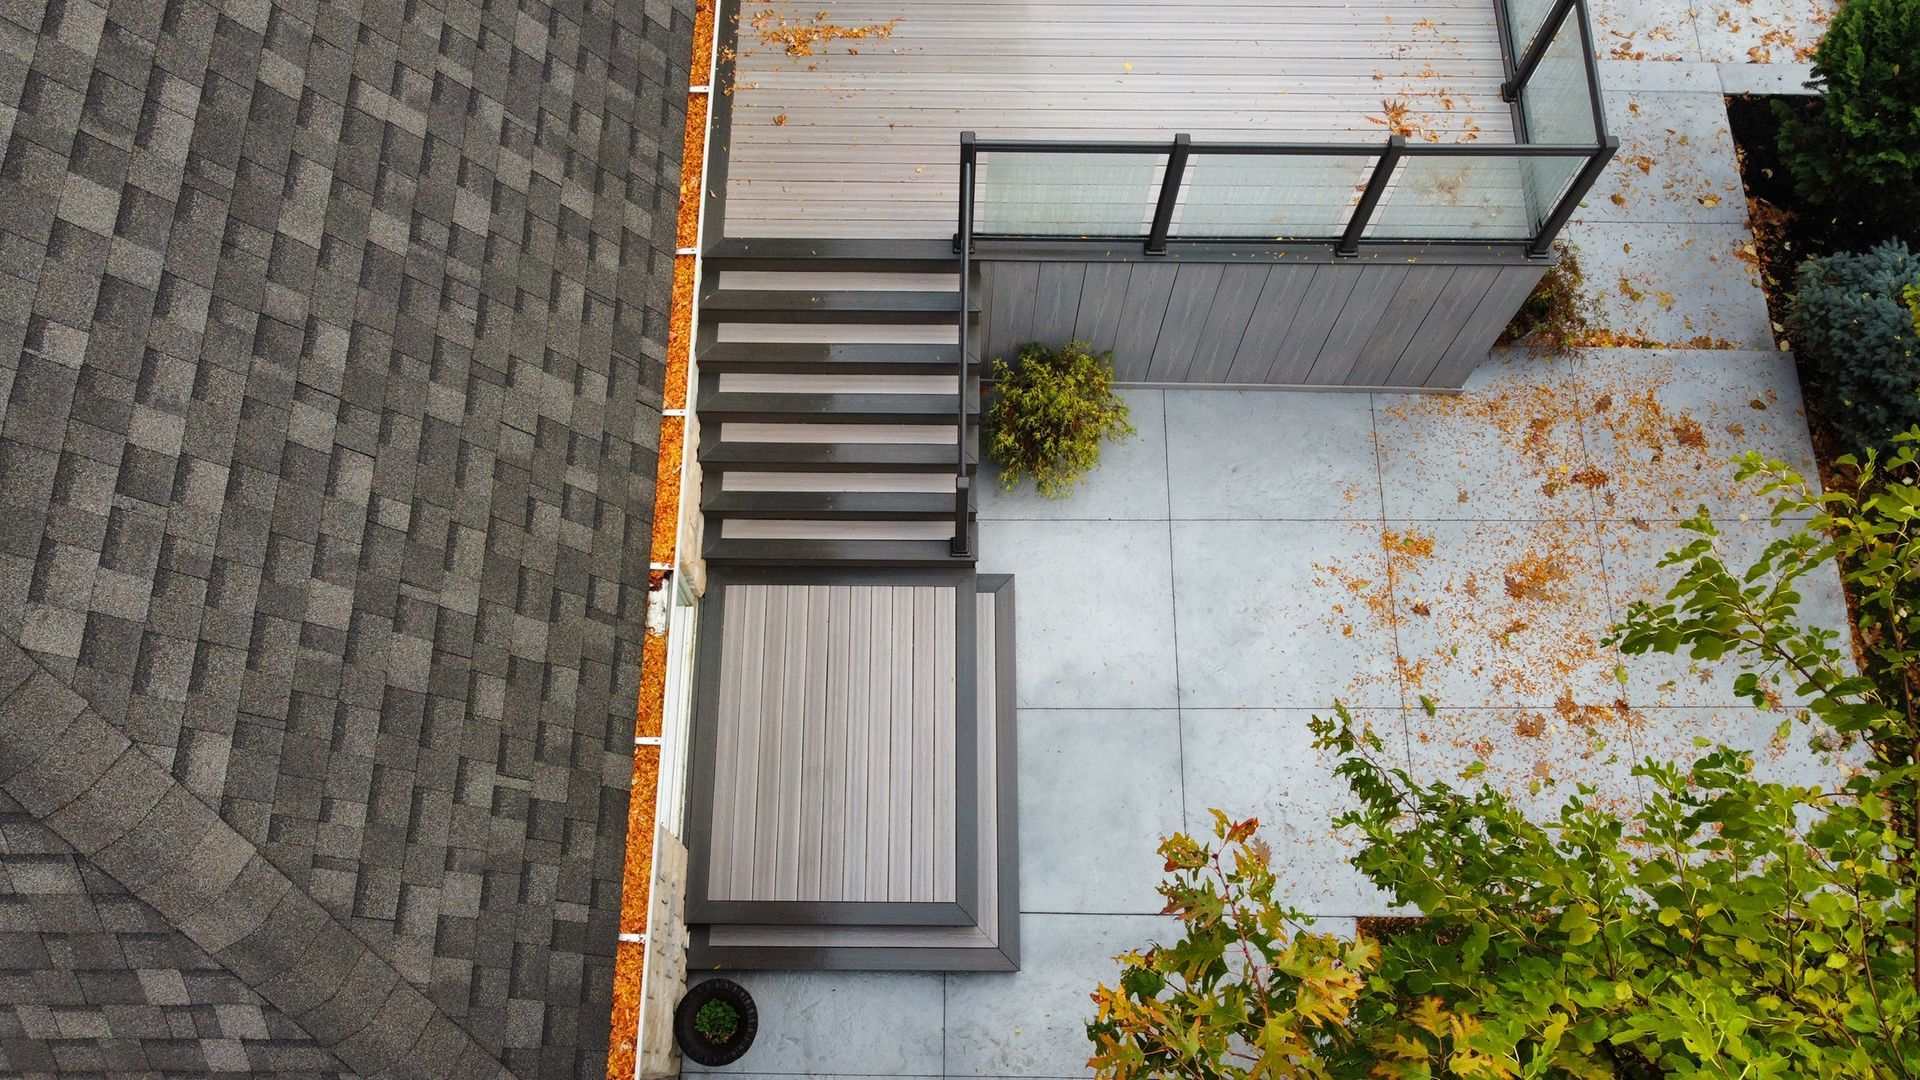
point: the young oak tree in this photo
(1729, 927)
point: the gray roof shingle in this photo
(329, 385)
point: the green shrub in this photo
(1913, 305)
(1720, 926)
(1557, 314)
(1861, 145)
(1848, 322)
(717, 1021)
(1050, 410)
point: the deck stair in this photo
(832, 419)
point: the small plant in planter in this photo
(716, 1022)
(1050, 410)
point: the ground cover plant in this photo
(1048, 414)
(1857, 340)
(1727, 926)
(717, 1021)
(1558, 313)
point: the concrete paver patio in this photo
(1475, 556)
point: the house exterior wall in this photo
(1405, 323)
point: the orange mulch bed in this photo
(693, 151)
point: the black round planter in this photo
(701, 1049)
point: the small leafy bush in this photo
(1861, 145)
(1847, 319)
(1050, 411)
(717, 1021)
(1559, 311)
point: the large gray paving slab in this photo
(1676, 164)
(860, 1023)
(1274, 614)
(1761, 31)
(1096, 610)
(1098, 791)
(1261, 763)
(1129, 483)
(1679, 417)
(1488, 452)
(1032, 1023)
(1674, 285)
(1264, 455)
(1502, 613)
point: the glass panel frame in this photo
(1279, 197)
(1059, 193)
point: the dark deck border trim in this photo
(1004, 954)
(701, 908)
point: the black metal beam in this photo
(1542, 244)
(1370, 198)
(1523, 71)
(1169, 193)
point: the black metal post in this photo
(962, 545)
(1370, 198)
(1523, 71)
(1542, 244)
(1169, 194)
(968, 156)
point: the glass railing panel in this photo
(1049, 193)
(1271, 196)
(1557, 100)
(1525, 18)
(1486, 196)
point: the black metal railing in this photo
(1561, 147)
(963, 242)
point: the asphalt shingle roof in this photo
(331, 346)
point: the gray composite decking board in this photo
(1483, 327)
(1458, 297)
(1056, 302)
(1273, 316)
(860, 138)
(1401, 321)
(1373, 290)
(1102, 298)
(1337, 323)
(1227, 321)
(1194, 289)
(1143, 312)
(1013, 290)
(796, 695)
(1320, 310)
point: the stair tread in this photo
(875, 456)
(844, 552)
(831, 407)
(800, 358)
(774, 305)
(876, 505)
(839, 253)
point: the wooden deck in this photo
(859, 137)
(833, 769)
